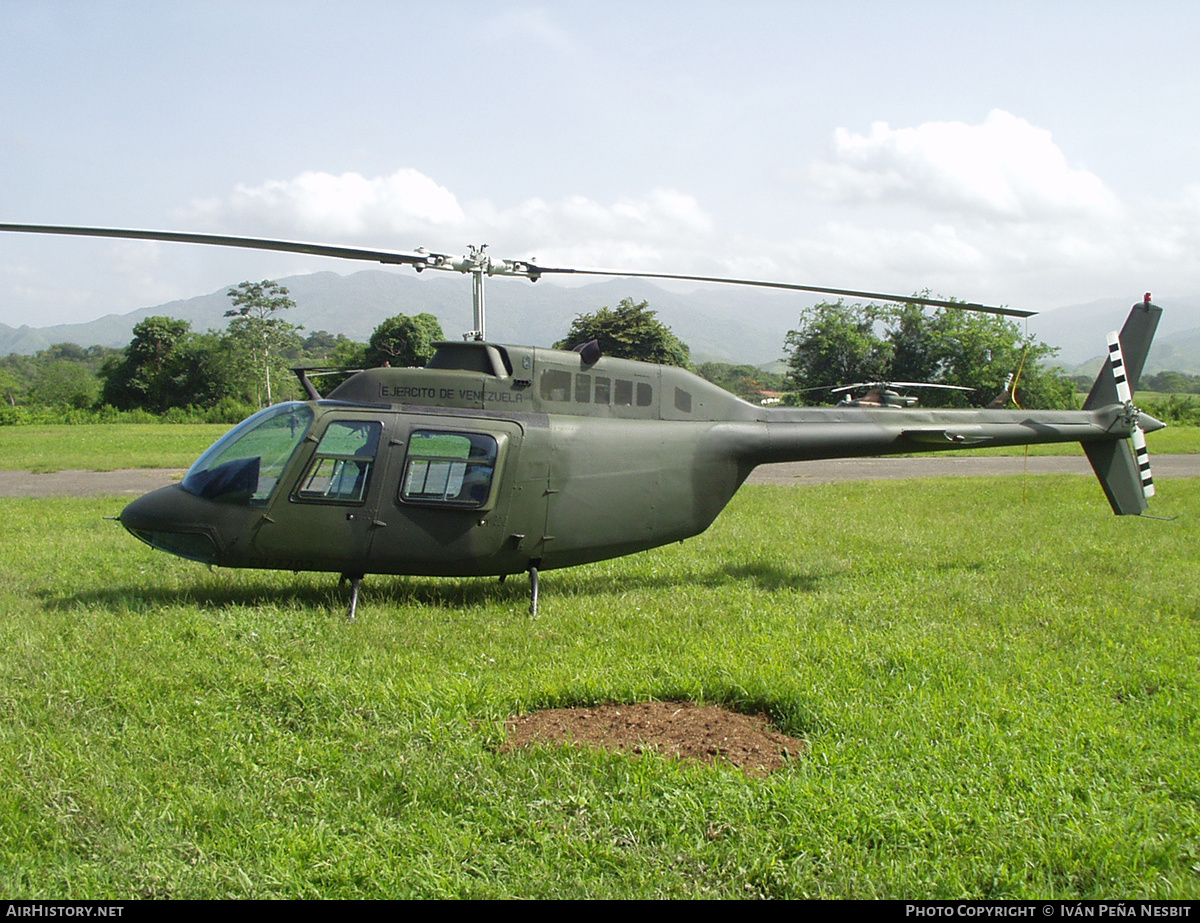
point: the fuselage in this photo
(493, 459)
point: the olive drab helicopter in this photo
(883, 393)
(498, 459)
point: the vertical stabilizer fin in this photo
(1126, 479)
(1136, 337)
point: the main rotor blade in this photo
(851, 293)
(928, 384)
(885, 385)
(399, 257)
(421, 260)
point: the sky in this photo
(1034, 154)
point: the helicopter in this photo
(883, 393)
(498, 459)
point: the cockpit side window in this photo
(340, 469)
(449, 469)
(245, 464)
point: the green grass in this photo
(100, 447)
(998, 679)
(105, 447)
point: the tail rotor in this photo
(1116, 360)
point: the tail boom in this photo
(1104, 427)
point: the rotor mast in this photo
(479, 265)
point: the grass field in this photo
(105, 447)
(108, 447)
(1001, 699)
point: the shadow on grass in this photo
(768, 576)
(445, 592)
(381, 590)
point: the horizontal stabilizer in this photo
(961, 436)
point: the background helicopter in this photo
(496, 459)
(883, 393)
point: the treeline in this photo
(1172, 383)
(170, 372)
(839, 344)
(748, 382)
(1175, 397)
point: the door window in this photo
(451, 469)
(340, 469)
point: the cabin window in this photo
(341, 466)
(623, 393)
(583, 389)
(556, 385)
(602, 388)
(245, 464)
(451, 469)
(683, 400)
(645, 394)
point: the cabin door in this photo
(323, 516)
(447, 494)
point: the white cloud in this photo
(991, 212)
(1003, 169)
(347, 205)
(407, 209)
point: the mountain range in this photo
(719, 323)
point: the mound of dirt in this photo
(676, 729)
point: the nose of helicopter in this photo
(175, 521)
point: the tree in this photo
(630, 331)
(746, 381)
(913, 335)
(347, 353)
(215, 375)
(60, 374)
(167, 365)
(62, 382)
(10, 387)
(838, 344)
(153, 371)
(403, 341)
(1171, 382)
(979, 351)
(257, 331)
(320, 342)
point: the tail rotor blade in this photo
(1143, 462)
(1125, 395)
(1117, 361)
